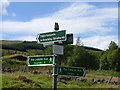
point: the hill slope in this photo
(6, 42)
(22, 46)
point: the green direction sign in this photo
(51, 37)
(71, 71)
(43, 60)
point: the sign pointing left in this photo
(49, 37)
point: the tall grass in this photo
(105, 72)
(13, 80)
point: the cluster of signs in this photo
(48, 60)
(59, 37)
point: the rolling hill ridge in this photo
(23, 45)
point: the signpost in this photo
(71, 71)
(51, 37)
(56, 38)
(41, 60)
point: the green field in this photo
(102, 67)
(28, 80)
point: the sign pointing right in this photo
(71, 71)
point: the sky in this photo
(96, 23)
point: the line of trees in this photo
(75, 55)
(78, 56)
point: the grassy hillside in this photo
(4, 42)
(22, 46)
(28, 80)
(16, 73)
(14, 55)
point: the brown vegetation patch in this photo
(24, 79)
(16, 57)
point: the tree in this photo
(64, 59)
(104, 62)
(113, 45)
(47, 51)
(110, 59)
(82, 58)
(114, 59)
(79, 42)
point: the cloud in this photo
(101, 42)
(77, 18)
(3, 5)
(25, 38)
